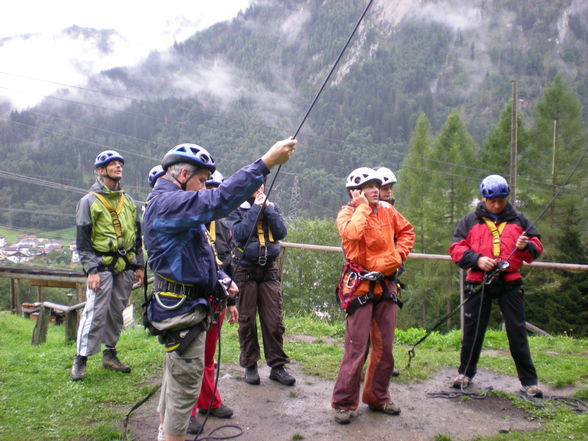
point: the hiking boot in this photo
(342, 416)
(251, 375)
(388, 408)
(395, 372)
(532, 391)
(461, 379)
(194, 427)
(220, 412)
(160, 434)
(281, 375)
(111, 361)
(78, 368)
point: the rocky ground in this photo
(274, 412)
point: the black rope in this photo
(555, 196)
(306, 116)
(411, 352)
(428, 332)
(224, 426)
(135, 407)
(461, 393)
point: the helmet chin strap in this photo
(115, 179)
(183, 186)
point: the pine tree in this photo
(452, 159)
(558, 116)
(495, 158)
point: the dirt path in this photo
(274, 412)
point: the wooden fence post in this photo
(71, 325)
(81, 293)
(280, 261)
(40, 331)
(15, 306)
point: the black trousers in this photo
(510, 299)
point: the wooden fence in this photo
(39, 278)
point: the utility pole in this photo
(513, 145)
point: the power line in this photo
(111, 132)
(48, 184)
(75, 138)
(38, 212)
(87, 89)
(209, 114)
(41, 182)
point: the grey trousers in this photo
(102, 320)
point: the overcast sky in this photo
(34, 47)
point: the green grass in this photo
(65, 234)
(37, 401)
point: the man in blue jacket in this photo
(257, 276)
(183, 262)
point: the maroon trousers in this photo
(373, 322)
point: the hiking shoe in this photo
(220, 412)
(342, 416)
(160, 435)
(78, 368)
(461, 379)
(388, 408)
(194, 427)
(532, 391)
(111, 361)
(251, 375)
(395, 372)
(281, 375)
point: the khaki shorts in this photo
(182, 378)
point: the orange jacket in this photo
(378, 238)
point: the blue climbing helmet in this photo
(191, 154)
(494, 186)
(216, 179)
(107, 156)
(154, 174)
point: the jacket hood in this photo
(508, 214)
(100, 187)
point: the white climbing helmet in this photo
(387, 176)
(360, 176)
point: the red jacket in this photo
(368, 238)
(472, 239)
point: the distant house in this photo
(27, 242)
(19, 257)
(11, 250)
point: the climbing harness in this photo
(496, 231)
(121, 252)
(262, 258)
(353, 275)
